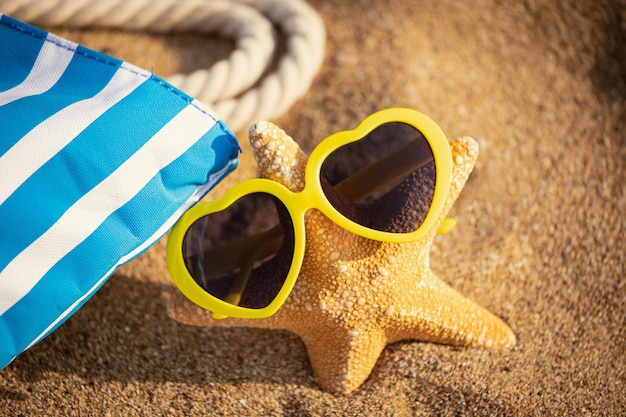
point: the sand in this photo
(540, 235)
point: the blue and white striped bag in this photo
(98, 159)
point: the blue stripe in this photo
(18, 52)
(120, 234)
(83, 79)
(83, 164)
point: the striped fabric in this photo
(98, 159)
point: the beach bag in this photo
(98, 159)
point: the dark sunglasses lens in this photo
(242, 254)
(384, 181)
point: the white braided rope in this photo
(238, 88)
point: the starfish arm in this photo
(432, 311)
(278, 156)
(464, 155)
(341, 358)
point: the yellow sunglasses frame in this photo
(311, 197)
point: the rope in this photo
(240, 89)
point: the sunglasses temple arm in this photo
(261, 246)
(391, 168)
(394, 166)
(446, 225)
(228, 256)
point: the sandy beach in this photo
(541, 86)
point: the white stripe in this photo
(88, 213)
(52, 61)
(43, 142)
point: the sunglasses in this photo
(386, 180)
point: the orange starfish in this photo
(353, 295)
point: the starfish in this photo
(353, 295)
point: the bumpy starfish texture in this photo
(353, 295)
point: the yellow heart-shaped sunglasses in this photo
(386, 180)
